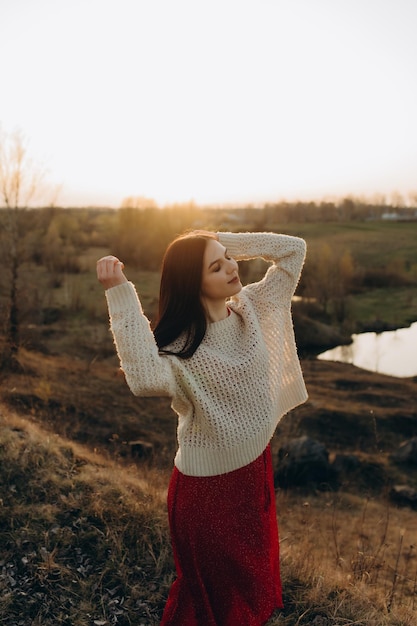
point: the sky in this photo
(214, 101)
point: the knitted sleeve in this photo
(286, 253)
(147, 373)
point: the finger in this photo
(109, 263)
(105, 267)
(108, 259)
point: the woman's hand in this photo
(110, 272)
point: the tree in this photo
(20, 182)
(328, 277)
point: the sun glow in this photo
(216, 102)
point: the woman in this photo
(226, 355)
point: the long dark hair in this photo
(180, 308)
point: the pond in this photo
(392, 352)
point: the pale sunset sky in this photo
(215, 101)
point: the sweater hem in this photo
(211, 461)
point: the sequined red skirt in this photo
(225, 541)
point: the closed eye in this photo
(216, 264)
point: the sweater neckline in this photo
(225, 323)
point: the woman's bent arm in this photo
(286, 253)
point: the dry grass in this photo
(82, 539)
(347, 560)
(85, 541)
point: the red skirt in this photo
(224, 535)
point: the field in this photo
(382, 290)
(83, 523)
(378, 248)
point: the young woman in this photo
(226, 355)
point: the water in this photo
(392, 352)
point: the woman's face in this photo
(220, 278)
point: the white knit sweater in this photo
(245, 375)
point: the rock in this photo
(403, 495)
(345, 463)
(406, 452)
(316, 336)
(319, 620)
(141, 449)
(359, 475)
(303, 462)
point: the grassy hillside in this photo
(82, 539)
(83, 525)
(85, 541)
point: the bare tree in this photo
(328, 278)
(20, 182)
